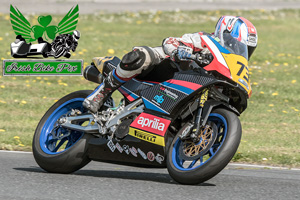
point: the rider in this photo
(140, 58)
(70, 39)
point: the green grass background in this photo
(271, 128)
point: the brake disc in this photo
(189, 150)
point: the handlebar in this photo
(195, 56)
(201, 58)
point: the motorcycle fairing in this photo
(232, 66)
(165, 97)
(132, 89)
(183, 86)
(239, 71)
(150, 128)
(218, 63)
(131, 96)
(146, 136)
(133, 151)
(151, 123)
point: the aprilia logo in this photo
(155, 124)
(151, 123)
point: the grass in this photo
(271, 128)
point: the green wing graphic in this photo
(68, 24)
(20, 24)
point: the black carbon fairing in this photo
(137, 86)
(166, 96)
(129, 150)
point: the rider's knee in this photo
(140, 57)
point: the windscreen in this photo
(234, 46)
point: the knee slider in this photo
(133, 60)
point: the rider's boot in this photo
(95, 100)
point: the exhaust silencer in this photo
(91, 73)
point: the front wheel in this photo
(190, 163)
(56, 149)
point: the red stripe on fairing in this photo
(147, 81)
(216, 66)
(130, 98)
(186, 84)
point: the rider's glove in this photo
(184, 52)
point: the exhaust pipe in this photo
(91, 73)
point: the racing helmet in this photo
(76, 35)
(240, 29)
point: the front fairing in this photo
(238, 66)
(231, 61)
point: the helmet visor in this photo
(235, 46)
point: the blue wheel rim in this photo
(49, 144)
(183, 165)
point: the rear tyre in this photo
(56, 149)
(226, 132)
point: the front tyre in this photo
(56, 149)
(224, 129)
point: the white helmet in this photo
(76, 35)
(240, 29)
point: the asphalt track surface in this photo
(21, 178)
(94, 6)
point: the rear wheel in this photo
(193, 163)
(56, 149)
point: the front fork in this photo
(198, 121)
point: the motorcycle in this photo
(183, 117)
(60, 47)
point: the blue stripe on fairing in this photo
(178, 87)
(130, 92)
(222, 49)
(120, 80)
(152, 106)
(150, 83)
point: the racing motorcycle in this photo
(183, 117)
(60, 47)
